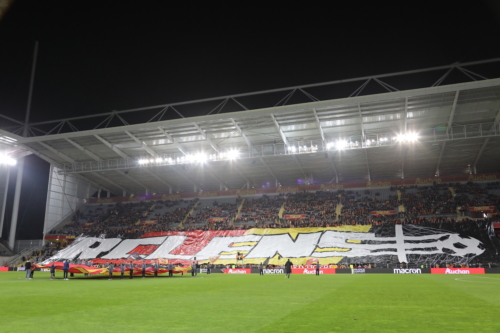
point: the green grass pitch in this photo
(252, 303)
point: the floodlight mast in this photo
(19, 178)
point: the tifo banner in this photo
(149, 222)
(136, 269)
(383, 212)
(453, 243)
(457, 271)
(301, 188)
(295, 217)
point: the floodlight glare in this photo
(412, 137)
(159, 160)
(4, 159)
(233, 154)
(341, 144)
(200, 157)
(407, 137)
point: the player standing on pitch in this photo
(288, 268)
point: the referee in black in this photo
(288, 268)
(131, 267)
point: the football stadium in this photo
(373, 211)
(294, 217)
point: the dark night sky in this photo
(98, 56)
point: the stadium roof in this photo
(354, 138)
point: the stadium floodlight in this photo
(412, 137)
(341, 144)
(4, 159)
(196, 158)
(233, 154)
(407, 137)
(201, 158)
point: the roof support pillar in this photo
(173, 140)
(143, 144)
(452, 113)
(368, 165)
(238, 128)
(474, 169)
(4, 179)
(403, 164)
(15, 207)
(361, 121)
(282, 135)
(213, 144)
(319, 125)
(158, 178)
(405, 116)
(443, 146)
(111, 146)
(269, 170)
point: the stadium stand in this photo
(392, 205)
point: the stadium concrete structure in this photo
(437, 130)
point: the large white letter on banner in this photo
(83, 248)
(219, 245)
(123, 250)
(268, 246)
(169, 245)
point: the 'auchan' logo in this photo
(427, 180)
(481, 177)
(236, 271)
(311, 271)
(377, 184)
(456, 271)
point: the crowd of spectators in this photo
(436, 203)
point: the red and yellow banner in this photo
(383, 212)
(295, 216)
(217, 219)
(149, 222)
(56, 237)
(483, 209)
(137, 268)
